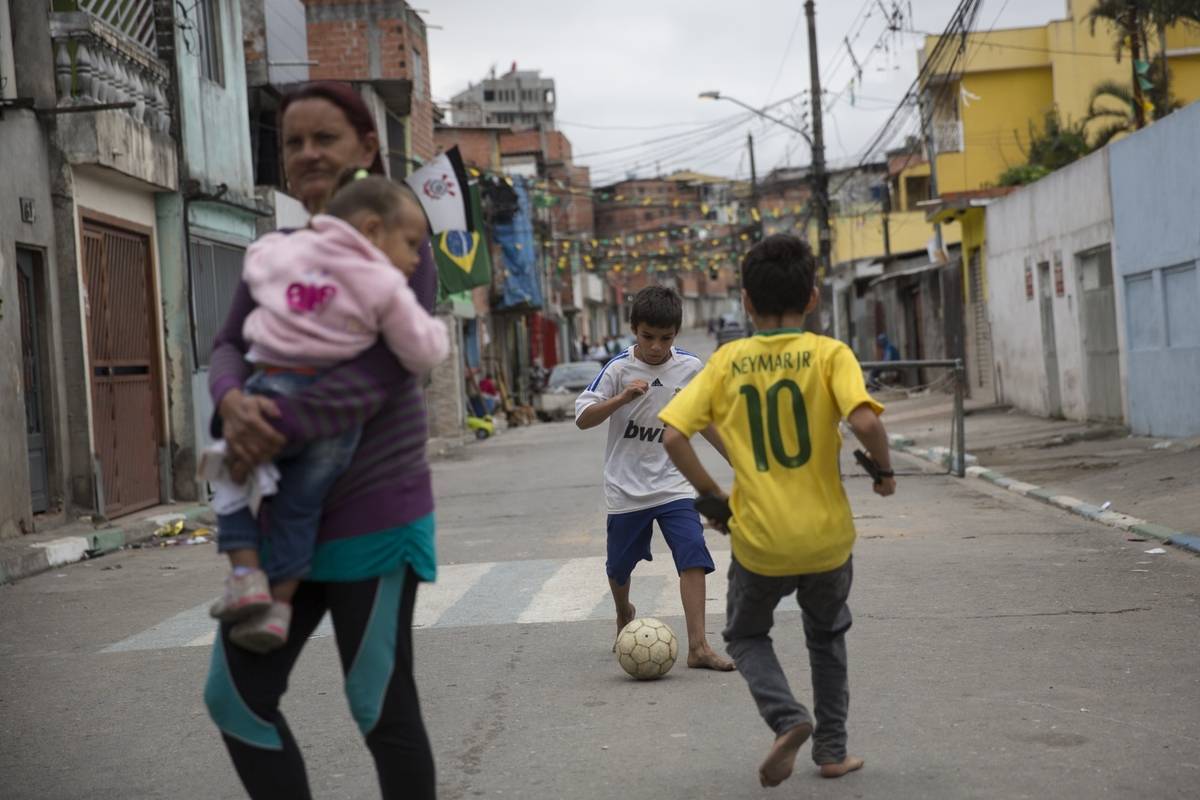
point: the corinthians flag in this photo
(441, 185)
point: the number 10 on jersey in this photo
(793, 403)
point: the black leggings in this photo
(372, 623)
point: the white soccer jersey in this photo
(637, 471)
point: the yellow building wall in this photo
(1019, 74)
(1013, 78)
(860, 236)
(995, 121)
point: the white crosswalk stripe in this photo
(491, 593)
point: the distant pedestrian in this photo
(376, 536)
(777, 399)
(886, 352)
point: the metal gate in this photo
(31, 373)
(979, 335)
(122, 346)
(1099, 312)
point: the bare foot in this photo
(704, 657)
(778, 765)
(623, 619)
(847, 764)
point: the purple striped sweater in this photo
(388, 483)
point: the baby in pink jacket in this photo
(324, 294)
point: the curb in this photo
(1114, 519)
(44, 556)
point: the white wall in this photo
(1065, 213)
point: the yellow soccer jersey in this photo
(776, 398)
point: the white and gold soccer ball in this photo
(647, 648)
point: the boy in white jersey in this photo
(641, 485)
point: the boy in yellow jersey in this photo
(776, 399)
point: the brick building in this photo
(384, 41)
(646, 204)
(478, 145)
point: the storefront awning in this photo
(909, 271)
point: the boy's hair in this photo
(658, 307)
(778, 274)
(358, 191)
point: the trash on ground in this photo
(1106, 505)
(1155, 551)
(1134, 539)
(173, 528)
(1161, 446)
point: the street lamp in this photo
(715, 95)
(819, 179)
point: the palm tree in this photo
(1129, 18)
(1115, 106)
(1132, 20)
(1116, 120)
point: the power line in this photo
(979, 44)
(959, 26)
(660, 126)
(787, 50)
(700, 129)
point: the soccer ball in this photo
(646, 648)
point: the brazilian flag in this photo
(462, 257)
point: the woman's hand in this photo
(251, 438)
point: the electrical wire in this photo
(958, 27)
(787, 50)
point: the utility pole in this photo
(753, 172)
(931, 153)
(820, 178)
(737, 269)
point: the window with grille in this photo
(208, 35)
(216, 269)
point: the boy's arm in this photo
(683, 456)
(599, 411)
(868, 428)
(714, 438)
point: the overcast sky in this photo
(627, 72)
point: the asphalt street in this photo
(1001, 649)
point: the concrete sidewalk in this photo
(65, 542)
(1101, 467)
(81, 539)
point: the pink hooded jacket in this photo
(325, 294)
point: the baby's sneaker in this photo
(263, 632)
(246, 594)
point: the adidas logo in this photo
(657, 382)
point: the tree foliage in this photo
(1054, 145)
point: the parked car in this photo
(566, 381)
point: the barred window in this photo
(216, 270)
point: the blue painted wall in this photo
(1155, 180)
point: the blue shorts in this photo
(629, 539)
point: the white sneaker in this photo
(264, 632)
(245, 595)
